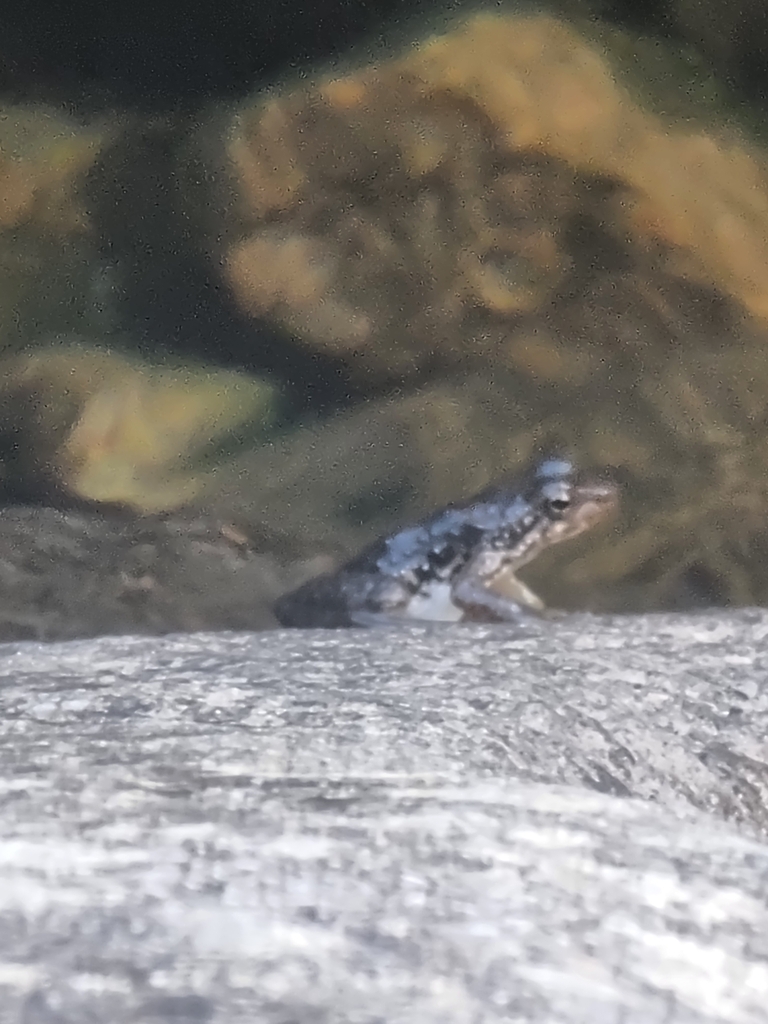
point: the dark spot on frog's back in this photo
(448, 553)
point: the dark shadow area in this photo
(170, 298)
(732, 36)
(165, 55)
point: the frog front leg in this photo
(487, 588)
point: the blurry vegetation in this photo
(498, 204)
(522, 229)
(49, 260)
(105, 427)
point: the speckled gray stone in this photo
(558, 822)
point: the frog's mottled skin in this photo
(445, 567)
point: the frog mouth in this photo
(591, 503)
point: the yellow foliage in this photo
(126, 432)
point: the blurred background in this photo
(277, 276)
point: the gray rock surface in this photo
(75, 573)
(558, 822)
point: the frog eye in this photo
(558, 504)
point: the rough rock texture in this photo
(80, 573)
(432, 825)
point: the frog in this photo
(460, 563)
